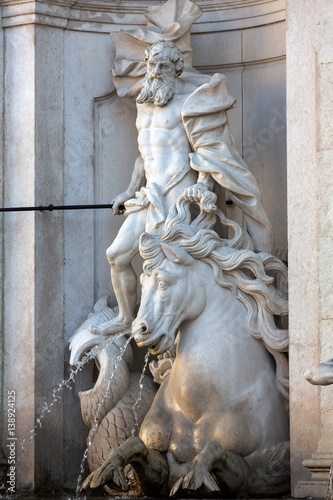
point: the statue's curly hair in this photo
(168, 50)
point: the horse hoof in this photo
(176, 487)
(193, 481)
(109, 472)
(87, 482)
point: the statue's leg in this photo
(123, 277)
(229, 469)
(150, 466)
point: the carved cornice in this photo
(22, 12)
(107, 15)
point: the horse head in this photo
(176, 283)
(171, 293)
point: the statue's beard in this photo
(156, 90)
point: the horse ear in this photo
(176, 254)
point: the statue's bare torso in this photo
(163, 143)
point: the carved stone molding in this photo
(18, 13)
(319, 465)
(239, 65)
(98, 15)
(217, 15)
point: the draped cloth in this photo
(152, 198)
(204, 116)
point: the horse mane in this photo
(258, 280)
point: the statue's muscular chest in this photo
(160, 124)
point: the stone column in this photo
(2, 409)
(33, 242)
(310, 211)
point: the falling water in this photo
(136, 405)
(67, 383)
(94, 428)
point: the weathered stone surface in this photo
(65, 71)
(309, 101)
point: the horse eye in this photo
(162, 284)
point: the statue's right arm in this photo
(138, 180)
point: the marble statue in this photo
(184, 142)
(219, 422)
(320, 374)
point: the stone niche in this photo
(68, 139)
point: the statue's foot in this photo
(197, 478)
(112, 327)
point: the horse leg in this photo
(151, 468)
(229, 468)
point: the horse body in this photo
(218, 423)
(222, 384)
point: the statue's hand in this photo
(118, 203)
(201, 194)
(194, 193)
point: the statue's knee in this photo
(112, 255)
(118, 260)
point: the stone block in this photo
(264, 42)
(325, 192)
(215, 49)
(325, 276)
(325, 105)
(304, 410)
(326, 339)
(264, 141)
(324, 29)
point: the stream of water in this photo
(136, 405)
(66, 383)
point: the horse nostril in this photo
(139, 328)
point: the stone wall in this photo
(68, 139)
(310, 216)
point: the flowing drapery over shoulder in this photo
(205, 120)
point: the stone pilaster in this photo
(33, 242)
(310, 210)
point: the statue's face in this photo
(159, 81)
(160, 68)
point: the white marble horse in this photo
(218, 424)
